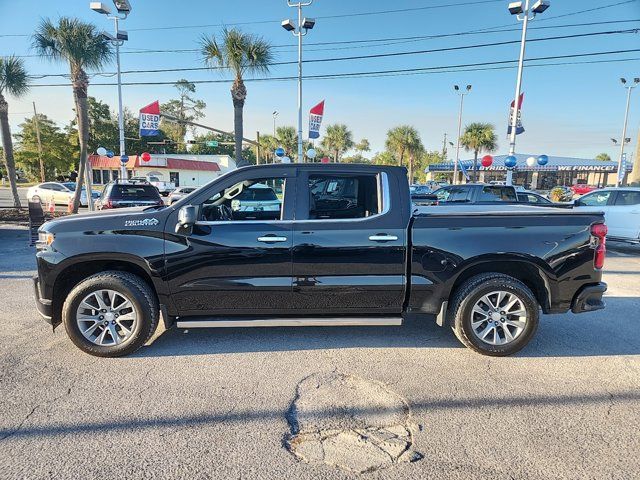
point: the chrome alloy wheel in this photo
(106, 317)
(498, 318)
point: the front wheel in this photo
(110, 314)
(494, 314)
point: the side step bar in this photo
(290, 322)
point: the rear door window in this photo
(496, 193)
(343, 196)
(628, 198)
(597, 199)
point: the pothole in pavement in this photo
(351, 423)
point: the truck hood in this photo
(133, 218)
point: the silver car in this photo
(180, 192)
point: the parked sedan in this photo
(582, 189)
(621, 207)
(180, 192)
(60, 193)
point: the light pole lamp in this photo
(275, 114)
(123, 8)
(629, 87)
(524, 13)
(302, 28)
(462, 93)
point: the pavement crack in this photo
(17, 429)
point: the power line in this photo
(365, 57)
(379, 72)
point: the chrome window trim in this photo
(385, 199)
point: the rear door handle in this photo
(383, 238)
(272, 239)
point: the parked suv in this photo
(128, 194)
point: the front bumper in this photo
(589, 298)
(42, 304)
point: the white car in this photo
(60, 193)
(259, 201)
(621, 207)
(180, 192)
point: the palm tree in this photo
(479, 137)
(338, 139)
(239, 53)
(603, 157)
(268, 144)
(82, 47)
(404, 140)
(13, 81)
(287, 138)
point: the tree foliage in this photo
(603, 157)
(185, 108)
(337, 140)
(479, 137)
(58, 153)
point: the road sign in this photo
(124, 159)
(212, 143)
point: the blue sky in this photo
(570, 110)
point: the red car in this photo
(581, 189)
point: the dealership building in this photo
(181, 169)
(558, 171)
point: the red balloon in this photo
(487, 160)
(325, 160)
(146, 156)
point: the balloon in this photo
(279, 152)
(101, 151)
(110, 153)
(543, 160)
(311, 153)
(531, 161)
(325, 160)
(286, 160)
(146, 156)
(510, 161)
(487, 160)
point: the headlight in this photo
(44, 239)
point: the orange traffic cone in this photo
(51, 207)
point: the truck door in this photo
(237, 258)
(348, 244)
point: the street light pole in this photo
(275, 114)
(302, 28)
(462, 93)
(629, 88)
(123, 8)
(523, 15)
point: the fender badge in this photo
(146, 222)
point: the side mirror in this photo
(186, 217)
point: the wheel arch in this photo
(528, 272)
(74, 272)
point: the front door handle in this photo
(272, 239)
(382, 238)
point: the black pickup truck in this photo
(342, 246)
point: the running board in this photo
(290, 322)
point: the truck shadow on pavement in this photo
(607, 332)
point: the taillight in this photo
(599, 231)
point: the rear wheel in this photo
(110, 314)
(494, 314)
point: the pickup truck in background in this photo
(344, 247)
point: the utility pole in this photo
(462, 93)
(444, 148)
(37, 125)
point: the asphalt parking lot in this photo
(221, 403)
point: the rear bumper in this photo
(589, 298)
(42, 304)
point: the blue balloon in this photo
(110, 153)
(510, 161)
(543, 160)
(280, 152)
(124, 159)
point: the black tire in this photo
(471, 291)
(133, 287)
